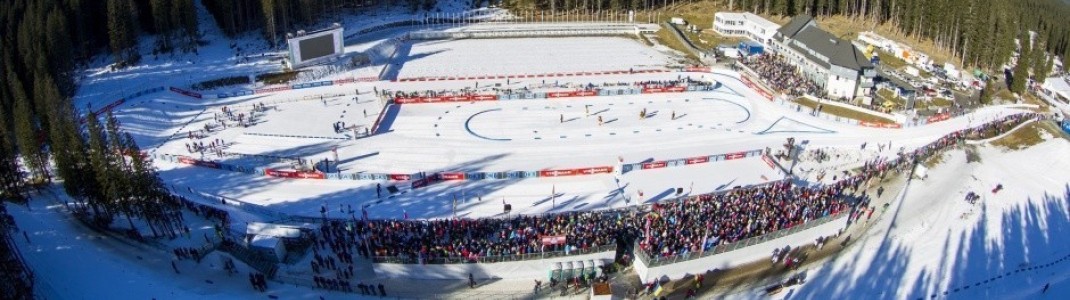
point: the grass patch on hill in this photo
(843, 112)
(848, 28)
(1030, 135)
(667, 38)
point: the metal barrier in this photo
(492, 259)
(660, 260)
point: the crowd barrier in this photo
(110, 106)
(652, 262)
(421, 179)
(492, 259)
(543, 75)
(186, 93)
(553, 95)
(625, 168)
(297, 136)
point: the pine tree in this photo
(163, 24)
(1021, 69)
(121, 31)
(11, 177)
(26, 132)
(104, 206)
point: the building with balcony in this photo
(830, 62)
(745, 25)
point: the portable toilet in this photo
(580, 266)
(566, 271)
(555, 270)
(750, 48)
(592, 269)
(601, 268)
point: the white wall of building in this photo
(528, 269)
(746, 25)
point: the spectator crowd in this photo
(782, 75)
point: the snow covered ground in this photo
(938, 244)
(473, 57)
(1007, 245)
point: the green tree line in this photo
(43, 136)
(979, 33)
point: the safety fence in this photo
(492, 258)
(541, 75)
(590, 92)
(111, 106)
(422, 179)
(758, 86)
(729, 247)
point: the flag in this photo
(406, 214)
(553, 195)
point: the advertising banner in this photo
(400, 177)
(557, 173)
(736, 155)
(186, 93)
(768, 161)
(445, 176)
(937, 118)
(655, 165)
(551, 240)
(697, 160)
(272, 90)
(199, 163)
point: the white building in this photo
(833, 63)
(1058, 89)
(745, 25)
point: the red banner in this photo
(294, 174)
(344, 81)
(199, 163)
(560, 94)
(484, 97)
(551, 240)
(653, 90)
(273, 89)
(756, 88)
(408, 100)
(442, 99)
(400, 177)
(768, 161)
(588, 93)
(697, 69)
(697, 160)
(879, 124)
(596, 170)
(557, 173)
(655, 165)
(736, 155)
(676, 89)
(451, 176)
(185, 92)
(938, 117)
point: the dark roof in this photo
(796, 23)
(838, 51)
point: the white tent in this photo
(271, 244)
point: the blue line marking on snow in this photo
(816, 129)
(744, 108)
(469, 129)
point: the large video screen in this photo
(317, 47)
